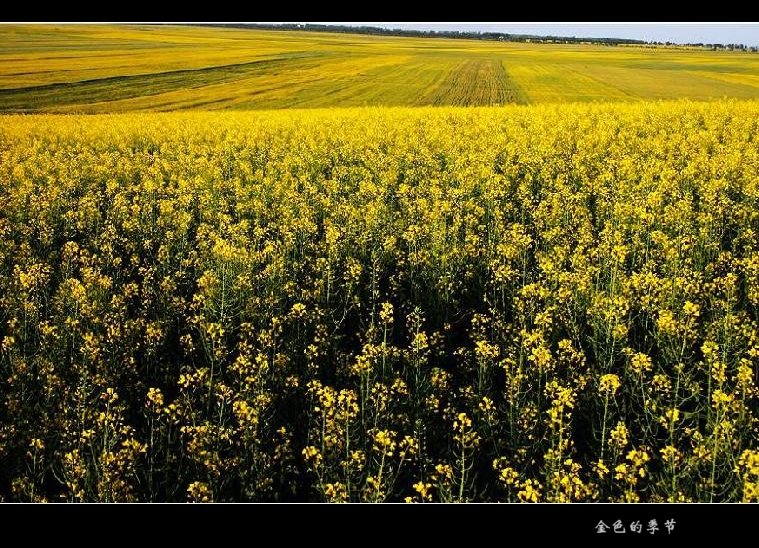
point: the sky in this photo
(724, 33)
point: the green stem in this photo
(603, 425)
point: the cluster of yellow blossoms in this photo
(550, 303)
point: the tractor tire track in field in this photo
(477, 82)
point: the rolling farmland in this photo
(479, 271)
(112, 69)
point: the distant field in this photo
(87, 68)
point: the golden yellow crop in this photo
(543, 303)
(120, 68)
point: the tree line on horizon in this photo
(478, 35)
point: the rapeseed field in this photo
(546, 303)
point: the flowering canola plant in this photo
(543, 303)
